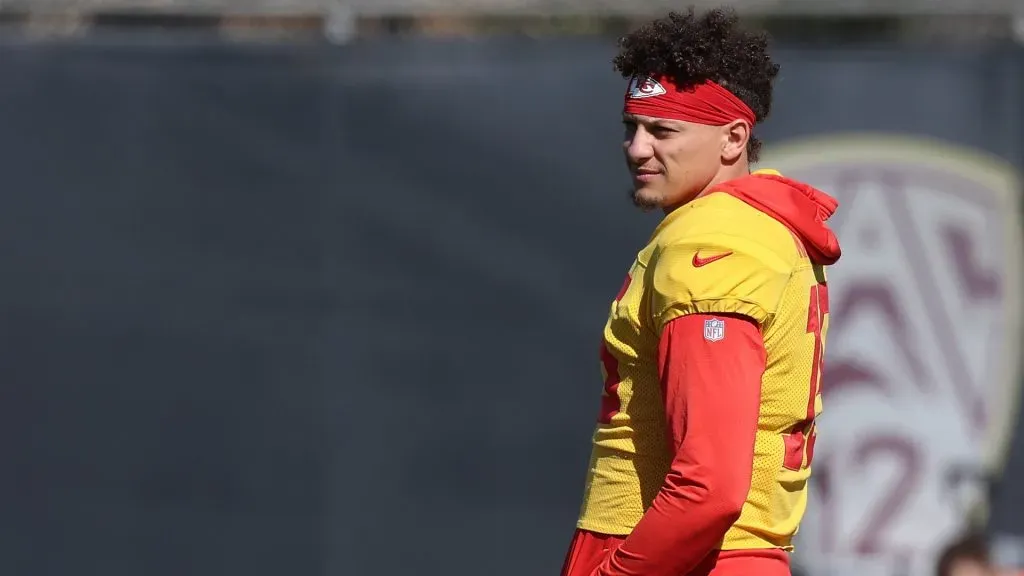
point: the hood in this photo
(800, 207)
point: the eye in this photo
(662, 131)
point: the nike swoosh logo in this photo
(698, 261)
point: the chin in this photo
(646, 199)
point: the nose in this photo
(639, 145)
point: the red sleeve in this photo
(712, 392)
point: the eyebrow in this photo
(656, 122)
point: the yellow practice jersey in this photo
(767, 276)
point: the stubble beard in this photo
(644, 203)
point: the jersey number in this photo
(610, 403)
(800, 442)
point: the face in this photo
(672, 161)
(969, 568)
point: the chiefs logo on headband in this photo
(645, 87)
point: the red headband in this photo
(707, 103)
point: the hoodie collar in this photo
(802, 208)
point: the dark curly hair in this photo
(691, 49)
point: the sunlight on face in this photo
(671, 161)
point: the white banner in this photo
(921, 368)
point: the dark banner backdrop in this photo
(315, 310)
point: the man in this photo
(966, 556)
(712, 351)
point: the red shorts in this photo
(589, 549)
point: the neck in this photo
(725, 173)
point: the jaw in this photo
(646, 198)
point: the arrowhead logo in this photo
(698, 261)
(644, 87)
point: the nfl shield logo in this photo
(714, 330)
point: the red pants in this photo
(589, 549)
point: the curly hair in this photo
(691, 49)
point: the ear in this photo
(735, 136)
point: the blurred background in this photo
(315, 288)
